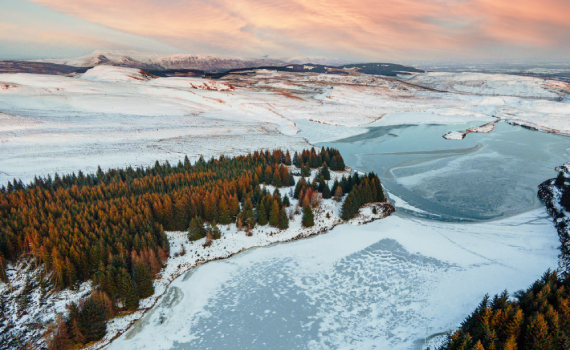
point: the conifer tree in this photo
(308, 217)
(74, 332)
(127, 292)
(92, 319)
(215, 231)
(246, 216)
(143, 279)
(305, 171)
(326, 192)
(325, 172)
(338, 193)
(298, 188)
(224, 211)
(262, 214)
(283, 219)
(196, 229)
(286, 202)
(274, 214)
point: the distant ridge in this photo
(386, 69)
(153, 61)
(187, 65)
(38, 68)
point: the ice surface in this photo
(463, 180)
(388, 284)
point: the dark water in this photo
(482, 177)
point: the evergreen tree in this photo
(565, 199)
(305, 171)
(321, 184)
(298, 188)
(224, 212)
(274, 214)
(262, 214)
(216, 232)
(127, 292)
(92, 319)
(326, 192)
(308, 217)
(246, 216)
(143, 279)
(286, 202)
(325, 172)
(196, 229)
(560, 180)
(283, 219)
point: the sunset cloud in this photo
(365, 29)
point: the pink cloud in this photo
(365, 28)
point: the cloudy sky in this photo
(378, 30)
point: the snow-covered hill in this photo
(317, 60)
(135, 59)
(116, 74)
(494, 85)
(116, 116)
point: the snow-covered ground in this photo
(114, 116)
(30, 303)
(385, 285)
(493, 84)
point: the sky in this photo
(357, 30)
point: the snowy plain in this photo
(113, 116)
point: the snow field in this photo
(114, 116)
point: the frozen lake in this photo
(482, 177)
(392, 283)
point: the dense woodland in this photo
(536, 319)
(109, 227)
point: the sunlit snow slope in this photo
(115, 116)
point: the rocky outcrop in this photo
(550, 193)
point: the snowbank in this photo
(116, 74)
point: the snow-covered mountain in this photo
(135, 59)
(317, 60)
(147, 60)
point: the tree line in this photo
(536, 319)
